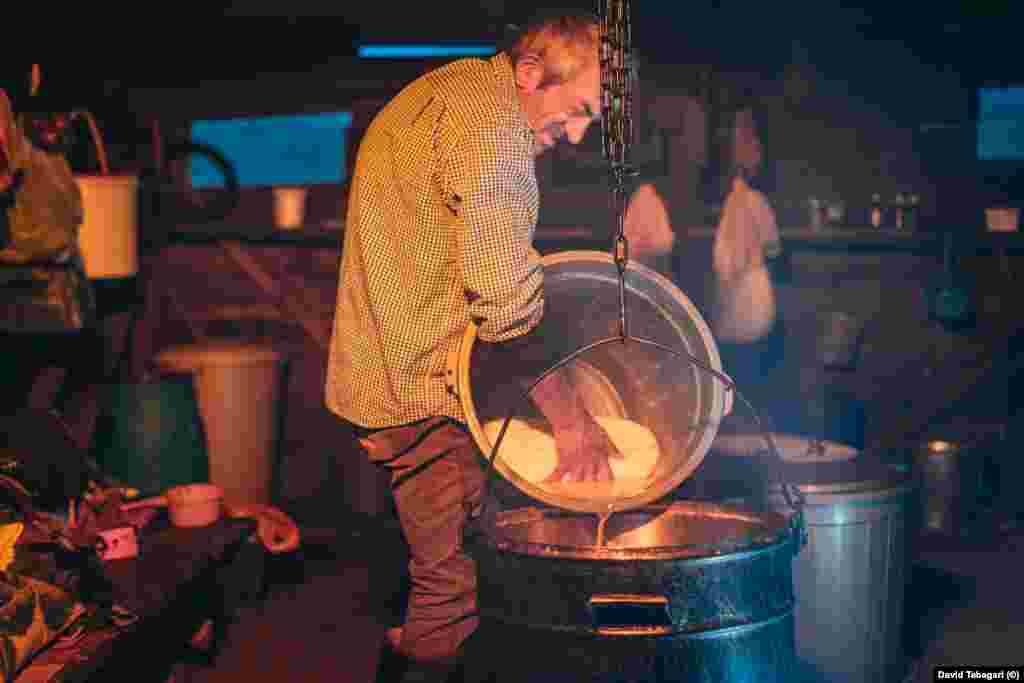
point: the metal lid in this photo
(657, 406)
(192, 357)
(866, 473)
(750, 477)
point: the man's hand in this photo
(583, 453)
(583, 446)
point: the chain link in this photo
(617, 125)
(616, 86)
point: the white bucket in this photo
(238, 386)
(108, 237)
(1002, 218)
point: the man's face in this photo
(562, 111)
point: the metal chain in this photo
(616, 85)
(617, 124)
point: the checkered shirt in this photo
(441, 214)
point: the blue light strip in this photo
(293, 149)
(420, 51)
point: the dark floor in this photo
(966, 602)
(316, 624)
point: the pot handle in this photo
(276, 530)
(453, 369)
(153, 502)
(624, 614)
(730, 391)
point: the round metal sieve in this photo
(660, 378)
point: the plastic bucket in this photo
(109, 236)
(239, 386)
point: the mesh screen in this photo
(660, 409)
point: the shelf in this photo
(314, 236)
(853, 238)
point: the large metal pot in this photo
(850, 581)
(684, 592)
(952, 481)
(608, 586)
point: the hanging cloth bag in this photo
(744, 295)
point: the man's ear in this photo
(529, 73)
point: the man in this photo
(441, 214)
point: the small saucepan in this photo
(189, 505)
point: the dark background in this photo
(875, 47)
(907, 65)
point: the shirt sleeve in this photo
(491, 189)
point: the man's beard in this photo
(556, 133)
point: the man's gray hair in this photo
(564, 41)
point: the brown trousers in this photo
(437, 480)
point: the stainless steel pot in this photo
(952, 483)
(850, 581)
(594, 585)
(683, 592)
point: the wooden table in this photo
(181, 578)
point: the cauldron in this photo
(615, 587)
(680, 592)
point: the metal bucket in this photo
(595, 581)
(683, 592)
(850, 580)
(952, 480)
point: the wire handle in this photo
(97, 138)
(35, 81)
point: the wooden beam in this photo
(294, 300)
(193, 325)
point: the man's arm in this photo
(583, 446)
(488, 185)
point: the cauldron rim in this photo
(769, 531)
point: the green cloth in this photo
(41, 225)
(44, 220)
